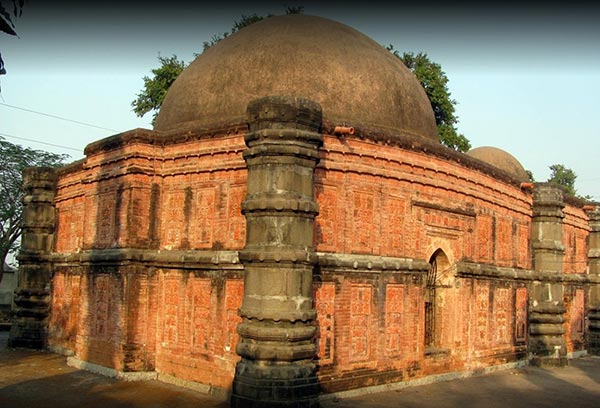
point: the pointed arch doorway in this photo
(439, 277)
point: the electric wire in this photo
(56, 117)
(40, 142)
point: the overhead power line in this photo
(40, 142)
(56, 117)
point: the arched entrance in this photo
(439, 277)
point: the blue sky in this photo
(526, 78)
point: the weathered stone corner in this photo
(277, 331)
(32, 297)
(594, 291)
(546, 305)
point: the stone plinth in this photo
(277, 332)
(32, 297)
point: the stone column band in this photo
(32, 297)
(277, 332)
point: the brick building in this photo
(292, 228)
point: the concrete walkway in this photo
(42, 379)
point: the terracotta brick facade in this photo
(146, 275)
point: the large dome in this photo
(501, 160)
(357, 82)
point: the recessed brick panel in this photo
(360, 314)
(362, 215)
(394, 319)
(324, 294)
(394, 234)
(521, 315)
(236, 223)
(502, 316)
(233, 300)
(200, 315)
(576, 315)
(203, 222)
(327, 223)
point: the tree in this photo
(13, 160)
(530, 174)
(156, 87)
(7, 24)
(435, 84)
(563, 176)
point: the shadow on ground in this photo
(42, 379)
(574, 386)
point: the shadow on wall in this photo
(107, 318)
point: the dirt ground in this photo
(42, 379)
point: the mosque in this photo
(292, 230)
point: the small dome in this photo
(356, 81)
(501, 160)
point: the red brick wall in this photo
(371, 328)
(575, 232)
(196, 327)
(575, 318)
(102, 324)
(189, 198)
(370, 197)
(170, 321)
(374, 199)
(64, 310)
(378, 199)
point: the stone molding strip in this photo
(471, 269)
(352, 262)
(467, 212)
(205, 259)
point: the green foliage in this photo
(245, 21)
(294, 10)
(435, 84)
(565, 177)
(530, 174)
(156, 86)
(237, 26)
(7, 25)
(13, 160)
